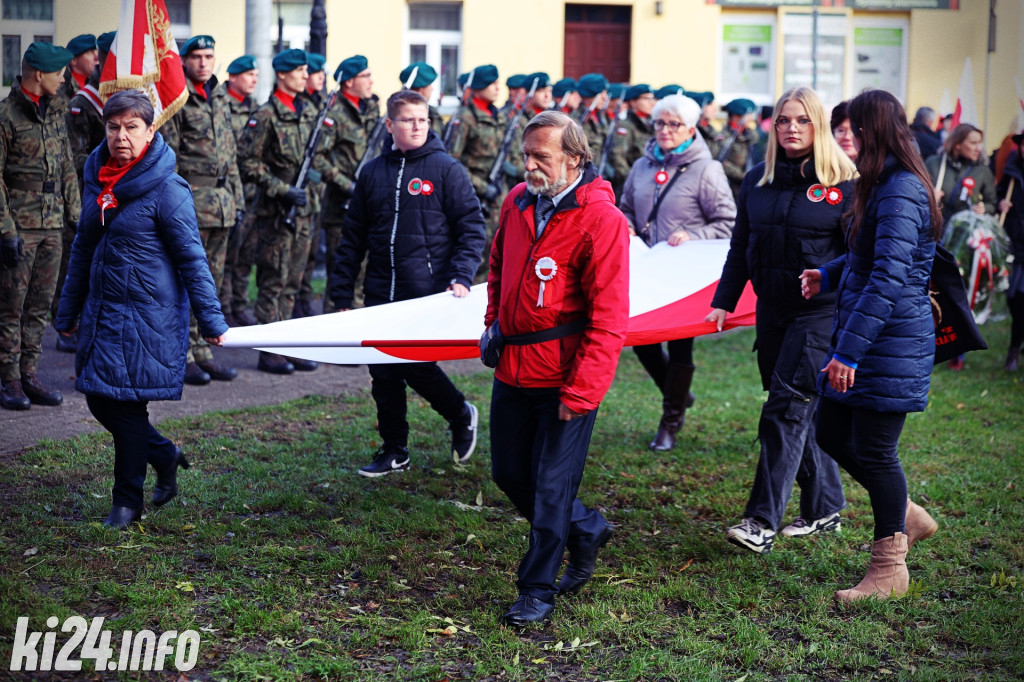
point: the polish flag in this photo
(144, 56)
(966, 111)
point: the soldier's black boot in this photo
(12, 397)
(677, 398)
(67, 343)
(218, 371)
(274, 363)
(39, 394)
(195, 376)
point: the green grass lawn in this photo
(293, 567)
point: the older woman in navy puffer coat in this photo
(136, 264)
(883, 339)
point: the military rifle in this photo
(452, 127)
(302, 179)
(377, 136)
(724, 153)
(613, 124)
(562, 102)
(497, 173)
(589, 111)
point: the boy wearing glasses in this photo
(415, 216)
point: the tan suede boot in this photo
(887, 575)
(919, 524)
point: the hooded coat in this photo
(700, 201)
(131, 281)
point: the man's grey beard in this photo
(538, 183)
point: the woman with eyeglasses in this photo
(674, 193)
(842, 131)
(883, 339)
(789, 218)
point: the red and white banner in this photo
(966, 111)
(145, 57)
(670, 292)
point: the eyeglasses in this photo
(671, 125)
(412, 122)
(802, 123)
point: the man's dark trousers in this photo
(537, 460)
(427, 379)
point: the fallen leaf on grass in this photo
(685, 566)
(31, 551)
(480, 499)
(625, 475)
(539, 661)
(185, 586)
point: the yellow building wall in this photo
(74, 17)
(224, 21)
(372, 28)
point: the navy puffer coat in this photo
(883, 319)
(416, 217)
(131, 282)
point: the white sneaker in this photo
(802, 527)
(750, 534)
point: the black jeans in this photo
(136, 443)
(427, 379)
(537, 460)
(1016, 305)
(864, 442)
(656, 361)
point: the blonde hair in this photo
(831, 164)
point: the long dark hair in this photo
(880, 124)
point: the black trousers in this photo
(656, 361)
(864, 442)
(136, 443)
(537, 460)
(427, 379)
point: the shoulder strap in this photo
(661, 197)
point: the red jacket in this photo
(588, 239)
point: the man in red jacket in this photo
(559, 280)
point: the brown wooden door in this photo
(597, 41)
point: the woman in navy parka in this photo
(883, 340)
(136, 264)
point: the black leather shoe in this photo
(218, 371)
(527, 609)
(167, 480)
(245, 318)
(67, 344)
(195, 376)
(12, 397)
(303, 365)
(582, 563)
(122, 517)
(274, 364)
(39, 394)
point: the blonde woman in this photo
(788, 219)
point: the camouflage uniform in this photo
(270, 154)
(202, 138)
(241, 251)
(70, 87)
(737, 160)
(436, 121)
(38, 195)
(712, 137)
(595, 127)
(305, 295)
(515, 152)
(476, 145)
(344, 144)
(631, 136)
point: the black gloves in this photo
(11, 251)
(239, 217)
(294, 197)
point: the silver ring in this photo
(844, 377)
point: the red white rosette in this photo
(545, 269)
(833, 195)
(661, 177)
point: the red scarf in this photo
(200, 88)
(80, 78)
(240, 98)
(537, 110)
(353, 99)
(32, 97)
(483, 105)
(110, 174)
(285, 99)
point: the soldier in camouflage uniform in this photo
(517, 87)
(739, 138)
(593, 89)
(566, 96)
(315, 97)
(243, 77)
(201, 137)
(541, 101)
(270, 155)
(423, 83)
(631, 133)
(351, 122)
(86, 55)
(476, 145)
(708, 112)
(38, 197)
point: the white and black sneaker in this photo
(464, 434)
(388, 459)
(802, 527)
(751, 534)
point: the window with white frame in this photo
(434, 35)
(24, 21)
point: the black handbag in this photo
(956, 332)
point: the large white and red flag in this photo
(965, 110)
(145, 57)
(670, 292)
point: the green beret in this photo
(516, 81)
(289, 60)
(563, 87)
(47, 57)
(197, 43)
(592, 85)
(543, 80)
(315, 62)
(740, 107)
(82, 43)
(463, 79)
(663, 92)
(425, 75)
(244, 63)
(350, 68)
(483, 76)
(615, 90)
(635, 91)
(105, 40)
